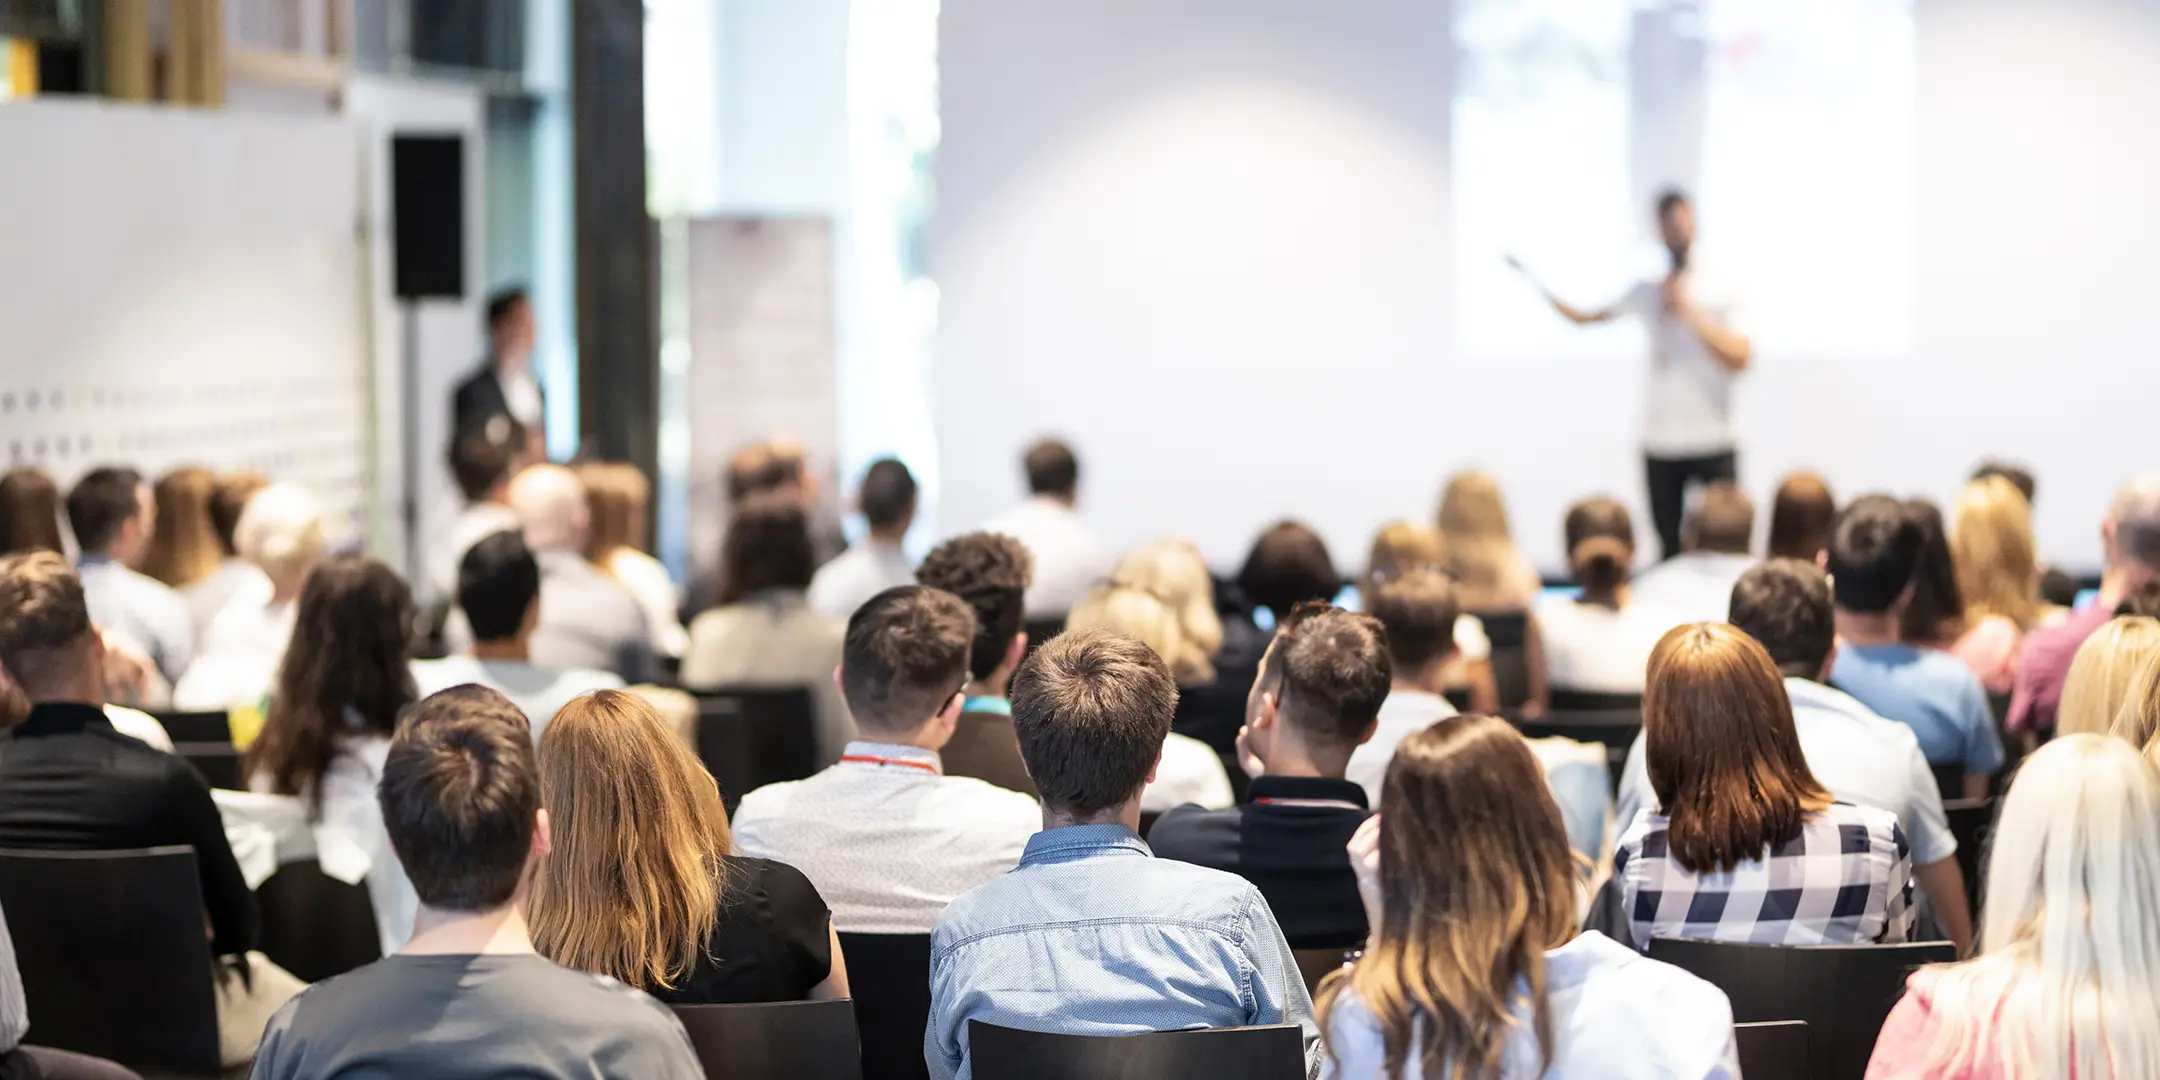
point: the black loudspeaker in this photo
(427, 214)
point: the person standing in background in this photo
(1069, 556)
(1695, 353)
(504, 384)
(880, 562)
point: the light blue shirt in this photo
(1929, 691)
(1093, 935)
(140, 610)
(1857, 756)
(1616, 1015)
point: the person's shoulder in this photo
(779, 881)
(1191, 833)
(1876, 820)
(771, 802)
(576, 680)
(989, 799)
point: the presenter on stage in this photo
(1695, 354)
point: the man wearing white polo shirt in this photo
(1860, 757)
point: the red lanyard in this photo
(1332, 804)
(864, 759)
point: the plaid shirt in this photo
(1845, 880)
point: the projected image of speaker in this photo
(427, 212)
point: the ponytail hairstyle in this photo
(1601, 547)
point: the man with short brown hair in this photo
(1317, 698)
(467, 995)
(1120, 942)
(886, 836)
(990, 571)
(1696, 585)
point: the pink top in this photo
(1990, 649)
(1901, 1050)
(2044, 662)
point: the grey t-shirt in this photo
(471, 1018)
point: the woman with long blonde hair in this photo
(1495, 583)
(2102, 672)
(617, 499)
(641, 884)
(1402, 548)
(184, 546)
(2065, 983)
(1991, 545)
(1173, 572)
(1474, 970)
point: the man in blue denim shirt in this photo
(1091, 934)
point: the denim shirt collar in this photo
(1074, 842)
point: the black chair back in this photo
(1509, 633)
(1041, 630)
(788, 1040)
(1777, 1050)
(889, 974)
(112, 953)
(752, 736)
(1594, 701)
(314, 925)
(197, 727)
(1275, 1052)
(204, 740)
(1843, 992)
(1972, 823)
(1949, 780)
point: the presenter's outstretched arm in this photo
(1573, 314)
(1727, 346)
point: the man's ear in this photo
(1267, 714)
(543, 840)
(839, 681)
(1155, 768)
(1829, 663)
(948, 717)
(1015, 652)
(1371, 726)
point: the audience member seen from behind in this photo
(2138, 721)
(1991, 545)
(1801, 515)
(339, 691)
(1475, 962)
(113, 518)
(2130, 544)
(1190, 771)
(886, 835)
(1857, 756)
(1745, 845)
(879, 562)
(1069, 555)
(617, 499)
(2057, 588)
(1496, 583)
(1874, 556)
(69, 782)
(640, 883)
(1695, 585)
(29, 511)
(499, 595)
(764, 633)
(587, 620)
(1287, 566)
(1935, 616)
(468, 996)
(1120, 942)
(990, 572)
(183, 548)
(281, 536)
(1402, 548)
(482, 460)
(1317, 699)
(2068, 959)
(235, 576)
(1598, 641)
(2102, 676)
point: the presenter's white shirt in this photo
(1688, 407)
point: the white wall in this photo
(1208, 241)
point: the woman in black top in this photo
(639, 884)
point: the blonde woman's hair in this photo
(616, 497)
(2069, 957)
(1991, 545)
(1144, 617)
(633, 886)
(184, 545)
(1476, 884)
(2137, 722)
(1401, 548)
(2100, 675)
(1176, 574)
(281, 531)
(1480, 548)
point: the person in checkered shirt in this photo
(1749, 847)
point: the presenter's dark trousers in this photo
(1669, 478)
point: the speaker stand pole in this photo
(410, 395)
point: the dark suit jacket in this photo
(479, 397)
(983, 746)
(69, 782)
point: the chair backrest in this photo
(1508, 631)
(1318, 964)
(1972, 822)
(1775, 1050)
(113, 956)
(750, 736)
(889, 975)
(219, 763)
(1594, 701)
(1949, 780)
(1041, 630)
(314, 925)
(197, 727)
(1275, 1052)
(1843, 992)
(799, 1040)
